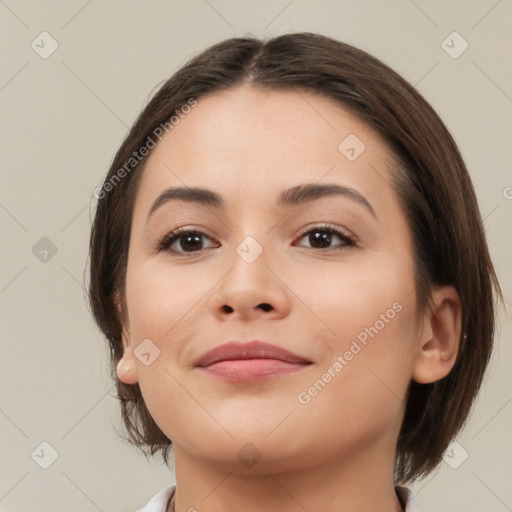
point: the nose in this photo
(251, 290)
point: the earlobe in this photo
(127, 367)
(439, 342)
(126, 370)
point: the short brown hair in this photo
(429, 177)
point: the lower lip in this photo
(246, 370)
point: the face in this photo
(328, 277)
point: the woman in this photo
(290, 266)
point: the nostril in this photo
(265, 306)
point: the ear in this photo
(127, 366)
(439, 342)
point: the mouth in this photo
(253, 361)
(246, 370)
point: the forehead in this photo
(252, 143)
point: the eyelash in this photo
(168, 240)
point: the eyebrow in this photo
(293, 196)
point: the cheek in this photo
(360, 388)
(162, 306)
(370, 313)
(360, 299)
(161, 301)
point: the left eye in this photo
(321, 237)
(190, 241)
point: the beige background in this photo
(63, 118)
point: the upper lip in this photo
(234, 350)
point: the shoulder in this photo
(407, 498)
(158, 502)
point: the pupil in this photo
(322, 237)
(192, 245)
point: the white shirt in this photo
(159, 501)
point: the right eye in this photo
(188, 240)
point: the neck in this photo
(357, 483)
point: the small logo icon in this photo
(249, 249)
(455, 455)
(351, 147)
(146, 352)
(44, 45)
(44, 250)
(454, 45)
(44, 455)
(248, 455)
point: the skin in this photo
(336, 452)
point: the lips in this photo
(235, 351)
